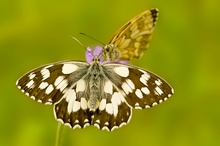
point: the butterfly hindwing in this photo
(131, 40)
(113, 112)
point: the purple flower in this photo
(90, 55)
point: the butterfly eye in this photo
(107, 49)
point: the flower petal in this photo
(89, 55)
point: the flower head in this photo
(90, 55)
(97, 52)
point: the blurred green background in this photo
(184, 50)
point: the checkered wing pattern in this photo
(96, 94)
(133, 38)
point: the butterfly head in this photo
(112, 55)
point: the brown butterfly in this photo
(131, 40)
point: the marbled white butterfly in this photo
(131, 40)
(94, 93)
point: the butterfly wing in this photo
(46, 84)
(128, 87)
(131, 40)
(140, 88)
(60, 84)
(65, 85)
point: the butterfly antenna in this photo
(78, 41)
(82, 45)
(92, 38)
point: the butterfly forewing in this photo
(140, 88)
(47, 83)
(133, 38)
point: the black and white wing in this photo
(58, 84)
(47, 84)
(67, 85)
(140, 88)
(64, 85)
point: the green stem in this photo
(59, 130)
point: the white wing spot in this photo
(86, 120)
(154, 104)
(32, 97)
(76, 106)
(30, 83)
(76, 126)
(39, 100)
(139, 93)
(159, 91)
(126, 88)
(58, 80)
(97, 125)
(97, 121)
(108, 88)
(80, 85)
(69, 68)
(102, 104)
(106, 123)
(109, 108)
(49, 89)
(70, 94)
(122, 71)
(116, 98)
(45, 73)
(43, 85)
(130, 84)
(31, 76)
(147, 106)
(62, 85)
(115, 106)
(137, 106)
(145, 90)
(143, 80)
(70, 98)
(172, 90)
(158, 82)
(86, 124)
(84, 104)
(105, 128)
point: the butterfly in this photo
(131, 40)
(94, 92)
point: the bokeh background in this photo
(184, 50)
